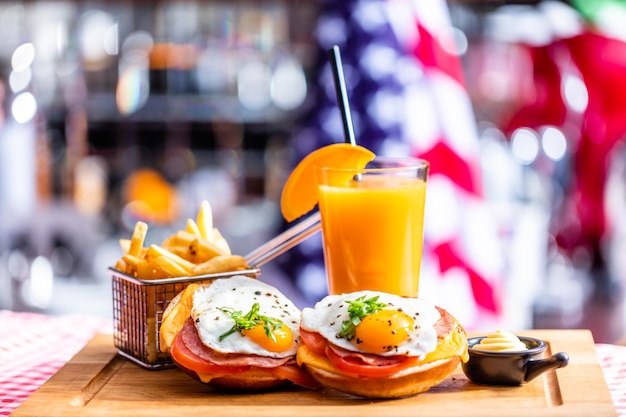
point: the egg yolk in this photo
(382, 331)
(282, 334)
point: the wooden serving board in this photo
(98, 382)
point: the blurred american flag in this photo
(408, 97)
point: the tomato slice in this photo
(185, 357)
(368, 365)
(314, 341)
(295, 374)
(385, 367)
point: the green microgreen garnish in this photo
(357, 311)
(250, 320)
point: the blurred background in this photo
(113, 112)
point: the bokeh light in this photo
(553, 143)
(23, 57)
(133, 87)
(253, 85)
(288, 85)
(139, 40)
(19, 80)
(575, 93)
(525, 145)
(24, 107)
(97, 38)
(38, 291)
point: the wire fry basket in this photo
(138, 307)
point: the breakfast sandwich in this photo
(236, 333)
(378, 345)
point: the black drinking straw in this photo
(342, 94)
(294, 235)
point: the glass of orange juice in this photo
(372, 225)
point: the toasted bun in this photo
(173, 304)
(177, 313)
(417, 379)
(253, 380)
(452, 348)
(248, 382)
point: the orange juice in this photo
(372, 226)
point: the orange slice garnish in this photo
(299, 195)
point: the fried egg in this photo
(404, 326)
(215, 305)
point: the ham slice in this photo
(445, 324)
(192, 341)
(366, 358)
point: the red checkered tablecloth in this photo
(613, 361)
(33, 347)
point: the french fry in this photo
(148, 270)
(178, 244)
(192, 227)
(131, 260)
(221, 263)
(180, 238)
(125, 245)
(201, 250)
(205, 221)
(156, 252)
(120, 265)
(170, 267)
(132, 264)
(220, 242)
(180, 251)
(138, 238)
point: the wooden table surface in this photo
(98, 382)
